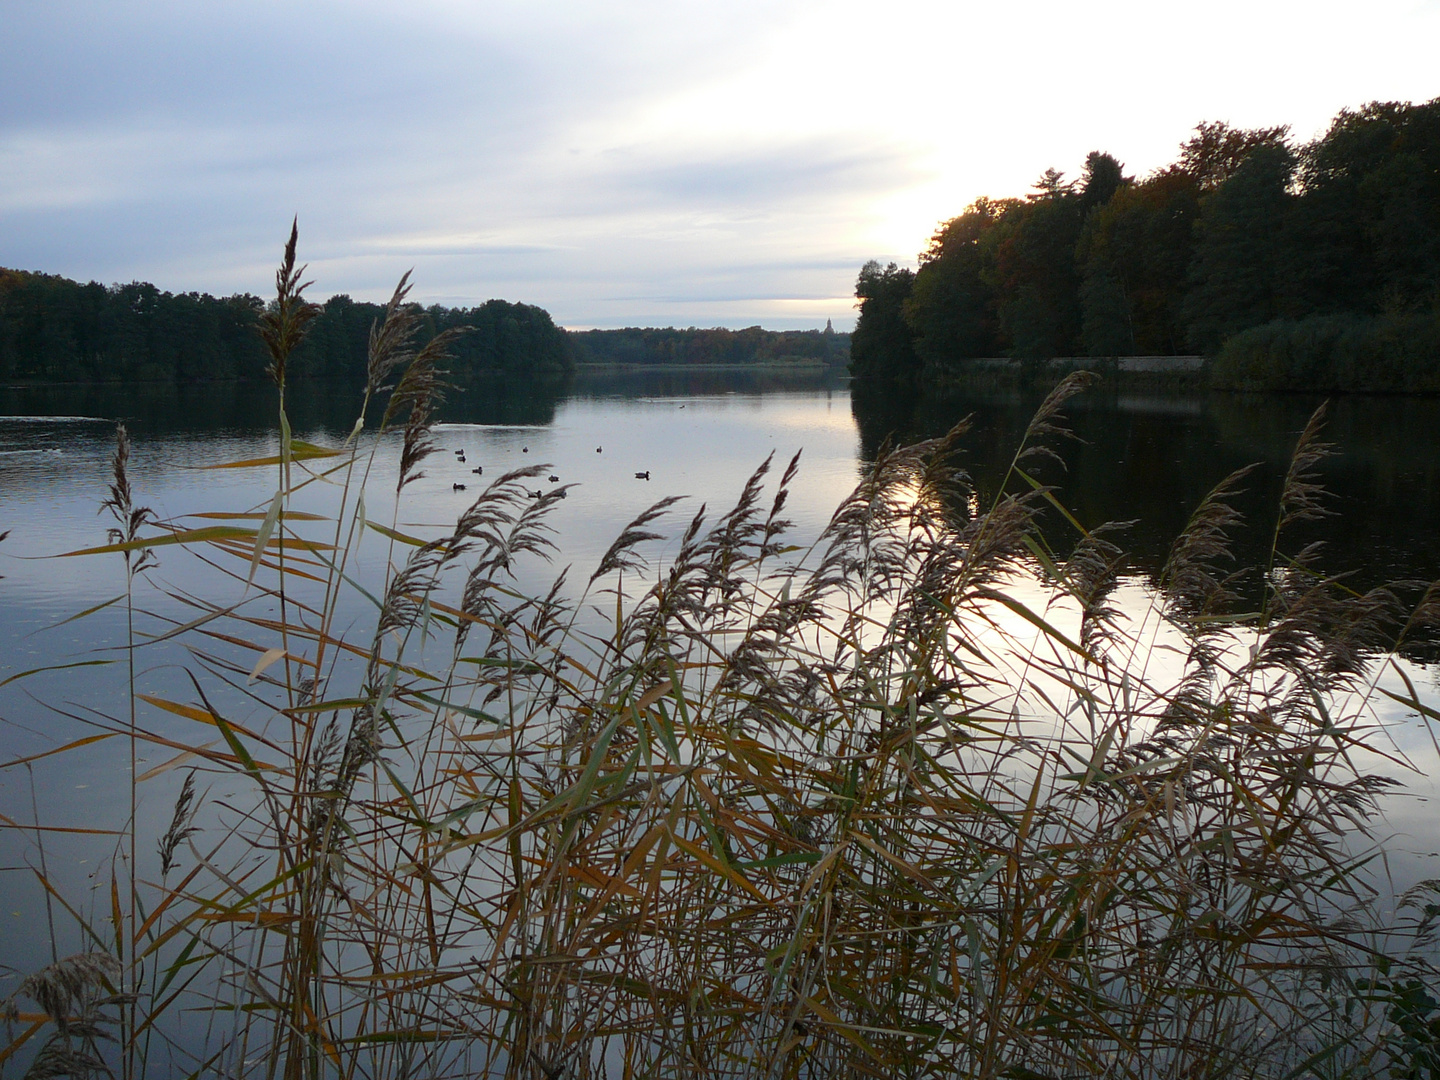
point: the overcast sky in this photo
(625, 162)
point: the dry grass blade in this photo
(1048, 422)
(69, 988)
(181, 825)
(416, 396)
(283, 326)
(621, 554)
(1302, 497)
(1194, 575)
(390, 340)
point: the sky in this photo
(625, 162)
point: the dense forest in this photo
(1293, 266)
(53, 329)
(751, 345)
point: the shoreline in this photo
(583, 368)
(797, 367)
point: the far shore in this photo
(808, 368)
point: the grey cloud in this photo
(173, 142)
(753, 178)
(69, 62)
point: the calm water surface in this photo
(1147, 458)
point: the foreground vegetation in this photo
(862, 809)
(1329, 247)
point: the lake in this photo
(1141, 457)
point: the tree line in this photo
(1293, 265)
(693, 346)
(53, 329)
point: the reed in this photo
(853, 809)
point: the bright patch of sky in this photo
(631, 162)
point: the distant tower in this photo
(829, 330)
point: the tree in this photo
(56, 330)
(1216, 150)
(882, 347)
(1102, 178)
(1051, 185)
(1242, 231)
(1370, 212)
(1241, 274)
(1134, 254)
(1039, 305)
(504, 338)
(952, 307)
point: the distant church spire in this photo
(828, 328)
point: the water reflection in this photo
(332, 405)
(1146, 458)
(315, 405)
(1151, 458)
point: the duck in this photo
(460, 457)
(478, 470)
(536, 494)
(643, 475)
(525, 449)
(597, 449)
(457, 487)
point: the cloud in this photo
(616, 162)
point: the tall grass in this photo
(856, 809)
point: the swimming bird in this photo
(461, 457)
(554, 479)
(597, 449)
(478, 469)
(536, 494)
(643, 475)
(525, 449)
(458, 487)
